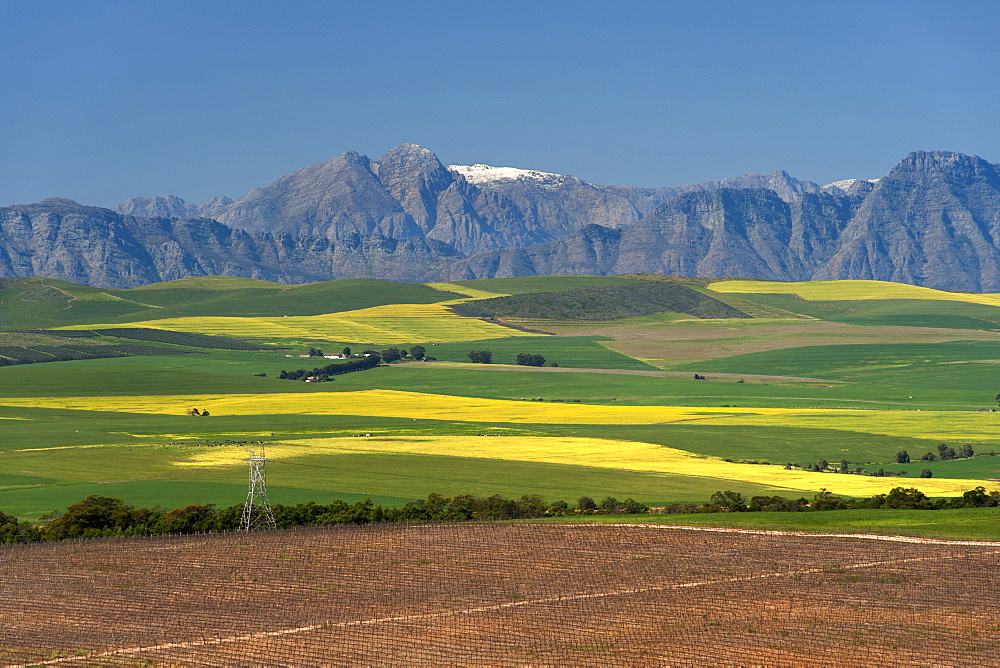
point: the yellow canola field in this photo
(942, 425)
(590, 452)
(390, 324)
(471, 293)
(853, 290)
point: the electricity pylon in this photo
(257, 513)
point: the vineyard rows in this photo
(499, 594)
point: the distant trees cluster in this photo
(481, 356)
(611, 506)
(946, 452)
(323, 373)
(524, 359)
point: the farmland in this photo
(848, 374)
(609, 595)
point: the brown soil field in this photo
(692, 341)
(665, 342)
(500, 595)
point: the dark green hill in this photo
(610, 302)
(29, 303)
(310, 299)
(518, 286)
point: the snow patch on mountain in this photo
(844, 184)
(488, 173)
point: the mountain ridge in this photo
(933, 220)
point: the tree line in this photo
(323, 373)
(103, 516)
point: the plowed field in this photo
(501, 595)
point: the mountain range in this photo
(934, 220)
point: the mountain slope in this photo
(933, 220)
(59, 238)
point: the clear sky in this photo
(103, 100)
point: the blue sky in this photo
(105, 100)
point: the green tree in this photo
(418, 352)
(926, 473)
(346, 352)
(902, 457)
(391, 355)
(609, 504)
(632, 507)
(558, 508)
(481, 356)
(91, 516)
(189, 519)
(977, 498)
(730, 500)
(904, 498)
(586, 503)
(525, 359)
(945, 452)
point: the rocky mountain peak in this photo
(940, 162)
(168, 206)
(408, 159)
(415, 150)
(57, 202)
(57, 205)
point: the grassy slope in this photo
(69, 304)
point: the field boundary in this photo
(555, 599)
(810, 534)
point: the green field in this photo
(953, 524)
(33, 303)
(802, 381)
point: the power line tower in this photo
(257, 513)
